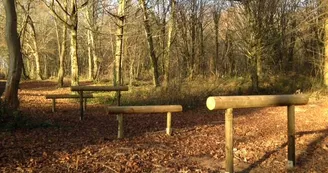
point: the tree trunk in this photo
(91, 33)
(37, 58)
(193, 37)
(89, 55)
(31, 68)
(94, 55)
(15, 56)
(45, 70)
(171, 30)
(35, 50)
(74, 60)
(119, 44)
(62, 53)
(150, 42)
(254, 74)
(215, 58)
(325, 68)
(201, 55)
(163, 30)
(131, 74)
(74, 57)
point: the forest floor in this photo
(60, 142)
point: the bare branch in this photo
(52, 10)
(63, 8)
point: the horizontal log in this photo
(58, 96)
(226, 102)
(143, 109)
(99, 88)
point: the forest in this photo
(176, 52)
(172, 41)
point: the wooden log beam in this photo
(143, 109)
(99, 88)
(226, 102)
(53, 97)
(64, 96)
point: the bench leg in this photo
(81, 105)
(120, 129)
(53, 105)
(85, 104)
(168, 124)
(229, 140)
(291, 136)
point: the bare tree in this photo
(325, 68)
(91, 15)
(119, 43)
(15, 56)
(150, 41)
(72, 24)
(216, 11)
(171, 32)
(33, 47)
(61, 44)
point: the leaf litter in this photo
(197, 144)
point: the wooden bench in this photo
(67, 96)
(142, 110)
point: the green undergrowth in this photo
(193, 94)
(289, 84)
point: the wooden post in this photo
(120, 126)
(53, 105)
(81, 104)
(291, 136)
(118, 98)
(85, 104)
(229, 140)
(168, 124)
(119, 118)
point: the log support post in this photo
(118, 93)
(230, 102)
(229, 140)
(120, 126)
(291, 136)
(53, 105)
(85, 104)
(81, 104)
(168, 124)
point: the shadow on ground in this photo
(67, 134)
(2, 87)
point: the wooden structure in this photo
(81, 89)
(230, 102)
(141, 110)
(67, 96)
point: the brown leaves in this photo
(197, 143)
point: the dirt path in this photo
(64, 144)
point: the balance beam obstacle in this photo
(67, 96)
(142, 110)
(81, 89)
(230, 102)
